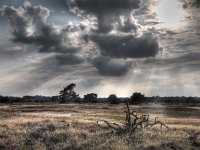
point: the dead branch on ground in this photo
(194, 139)
(133, 121)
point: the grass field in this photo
(74, 126)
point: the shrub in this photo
(90, 98)
(136, 98)
(113, 99)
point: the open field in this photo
(73, 126)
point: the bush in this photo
(113, 99)
(90, 98)
(4, 99)
(137, 98)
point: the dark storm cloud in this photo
(191, 3)
(116, 15)
(98, 6)
(28, 25)
(24, 18)
(125, 42)
(53, 39)
(111, 67)
(106, 12)
(69, 59)
(127, 46)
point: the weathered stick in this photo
(132, 124)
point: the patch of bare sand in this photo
(50, 114)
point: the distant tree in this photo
(4, 99)
(90, 98)
(113, 99)
(68, 94)
(55, 99)
(136, 98)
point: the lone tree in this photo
(136, 98)
(68, 94)
(90, 98)
(113, 99)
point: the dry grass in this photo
(73, 126)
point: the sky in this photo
(103, 46)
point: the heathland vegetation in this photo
(69, 122)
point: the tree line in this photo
(68, 95)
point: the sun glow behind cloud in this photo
(169, 13)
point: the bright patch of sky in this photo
(169, 13)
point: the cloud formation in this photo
(191, 3)
(127, 46)
(111, 29)
(115, 32)
(107, 13)
(69, 59)
(24, 20)
(29, 25)
(111, 67)
(100, 49)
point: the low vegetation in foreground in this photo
(74, 127)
